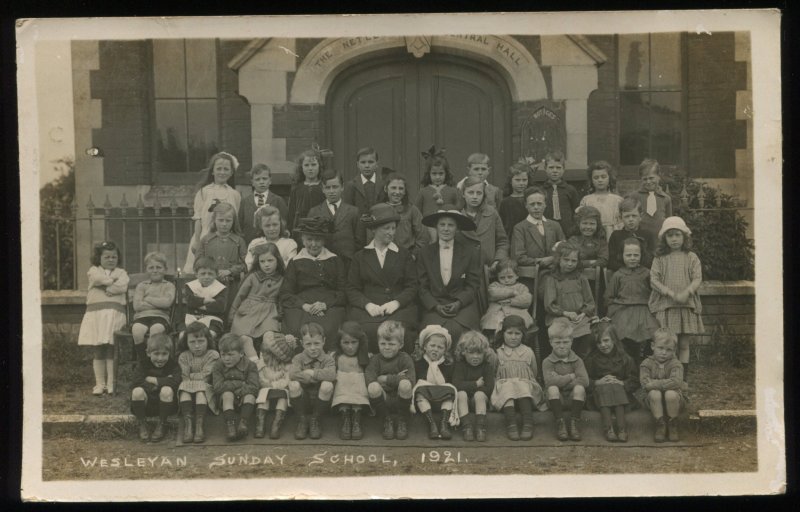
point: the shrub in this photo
(55, 201)
(719, 236)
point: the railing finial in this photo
(140, 206)
(107, 206)
(123, 205)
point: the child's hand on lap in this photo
(480, 382)
(374, 310)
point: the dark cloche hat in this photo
(380, 214)
(463, 222)
(314, 226)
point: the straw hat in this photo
(463, 222)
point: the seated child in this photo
(155, 385)
(565, 379)
(507, 297)
(473, 377)
(197, 364)
(311, 385)
(273, 376)
(612, 376)
(567, 294)
(206, 298)
(515, 385)
(661, 377)
(152, 301)
(628, 294)
(434, 387)
(350, 393)
(235, 384)
(389, 377)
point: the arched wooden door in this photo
(400, 106)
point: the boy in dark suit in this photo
(533, 238)
(366, 189)
(346, 239)
(562, 198)
(260, 179)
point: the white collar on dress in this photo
(304, 255)
(391, 246)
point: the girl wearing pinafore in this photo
(105, 312)
(350, 394)
(197, 363)
(675, 277)
(437, 186)
(273, 376)
(254, 311)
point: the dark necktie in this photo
(369, 189)
(259, 200)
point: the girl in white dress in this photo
(350, 393)
(602, 181)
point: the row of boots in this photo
(193, 422)
(311, 409)
(666, 430)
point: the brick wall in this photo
(122, 83)
(729, 306)
(300, 125)
(713, 79)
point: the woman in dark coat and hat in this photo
(313, 287)
(382, 281)
(449, 274)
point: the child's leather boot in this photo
(261, 423)
(402, 427)
(188, 434)
(388, 427)
(526, 433)
(661, 430)
(561, 430)
(314, 428)
(199, 433)
(230, 430)
(444, 425)
(242, 430)
(574, 430)
(144, 430)
(356, 432)
(672, 430)
(346, 431)
(158, 432)
(277, 423)
(433, 430)
(480, 430)
(467, 427)
(301, 432)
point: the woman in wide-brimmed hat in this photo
(449, 273)
(313, 287)
(382, 281)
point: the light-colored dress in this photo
(351, 386)
(608, 205)
(521, 299)
(516, 377)
(104, 314)
(273, 377)
(203, 200)
(676, 271)
(255, 310)
(196, 373)
(286, 246)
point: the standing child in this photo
(567, 294)
(273, 376)
(306, 190)
(311, 387)
(656, 204)
(631, 211)
(675, 277)
(152, 301)
(389, 377)
(512, 208)
(217, 187)
(437, 186)
(562, 198)
(566, 380)
(507, 297)
(602, 180)
(661, 377)
(197, 364)
(350, 393)
(473, 377)
(489, 235)
(346, 238)
(260, 179)
(410, 233)
(105, 312)
(478, 167)
(612, 377)
(365, 189)
(515, 386)
(254, 311)
(628, 295)
(273, 227)
(206, 298)
(155, 387)
(534, 238)
(590, 237)
(226, 247)
(235, 384)
(434, 370)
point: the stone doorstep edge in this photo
(57, 420)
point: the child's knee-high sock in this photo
(555, 406)
(110, 373)
(379, 406)
(164, 410)
(99, 367)
(403, 407)
(187, 407)
(229, 415)
(141, 352)
(606, 412)
(200, 410)
(525, 406)
(510, 414)
(138, 409)
(620, 410)
(247, 411)
(577, 407)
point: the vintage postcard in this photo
(384, 256)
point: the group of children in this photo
(652, 303)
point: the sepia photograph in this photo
(387, 256)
